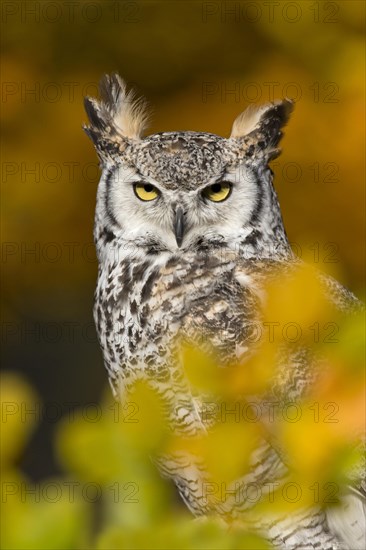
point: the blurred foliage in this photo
(111, 495)
(107, 462)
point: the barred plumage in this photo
(188, 232)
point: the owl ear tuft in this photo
(262, 125)
(116, 118)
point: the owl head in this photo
(183, 190)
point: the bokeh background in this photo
(199, 64)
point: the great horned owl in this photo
(188, 229)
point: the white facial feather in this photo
(139, 219)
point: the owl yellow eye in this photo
(145, 191)
(217, 192)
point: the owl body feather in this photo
(205, 289)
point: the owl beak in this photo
(179, 226)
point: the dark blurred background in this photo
(199, 64)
